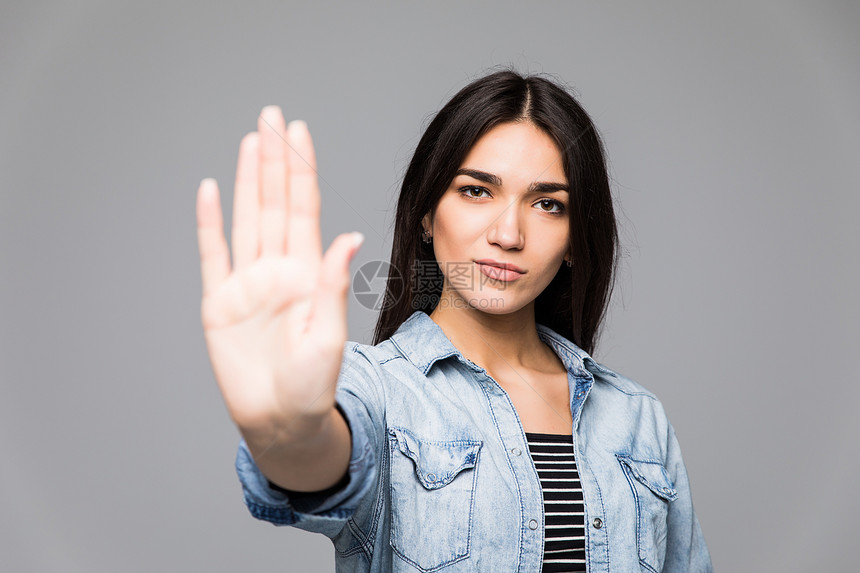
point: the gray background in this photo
(733, 133)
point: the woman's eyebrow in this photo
(536, 187)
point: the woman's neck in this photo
(495, 342)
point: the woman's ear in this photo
(426, 223)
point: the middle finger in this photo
(273, 181)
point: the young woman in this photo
(476, 433)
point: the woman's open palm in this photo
(275, 322)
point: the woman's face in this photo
(507, 206)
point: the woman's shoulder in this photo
(418, 342)
(621, 398)
(581, 364)
(372, 356)
(618, 382)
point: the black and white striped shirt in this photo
(564, 546)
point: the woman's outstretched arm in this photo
(275, 319)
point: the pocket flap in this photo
(437, 462)
(651, 474)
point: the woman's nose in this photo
(506, 228)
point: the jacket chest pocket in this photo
(432, 497)
(653, 491)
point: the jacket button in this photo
(533, 524)
(597, 523)
(516, 451)
(431, 477)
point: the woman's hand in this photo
(275, 322)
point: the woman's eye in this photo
(551, 203)
(473, 191)
(551, 206)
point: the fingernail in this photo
(297, 124)
(358, 239)
(208, 187)
(271, 110)
(251, 140)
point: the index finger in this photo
(272, 181)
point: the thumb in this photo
(328, 324)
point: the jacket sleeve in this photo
(686, 550)
(327, 511)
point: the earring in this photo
(427, 237)
(569, 263)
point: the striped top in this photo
(564, 540)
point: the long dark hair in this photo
(575, 301)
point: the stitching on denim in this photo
(559, 346)
(379, 503)
(289, 516)
(439, 357)
(436, 568)
(630, 476)
(582, 463)
(280, 516)
(644, 480)
(577, 355)
(365, 545)
(644, 393)
(627, 475)
(423, 367)
(382, 482)
(435, 442)
(470, 461)
(357, 534)
(371, 352)
(365, 539)
(472, 505)
(603, 512)
(393, 534)
(588, 556)
(601, 367)
(632, 459)
(402, 351)
(511, 467)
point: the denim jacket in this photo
(441, 479)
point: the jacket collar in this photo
(423, 342)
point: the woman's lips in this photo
(498, 273)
